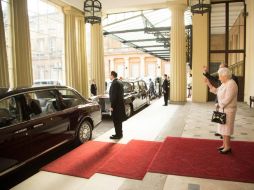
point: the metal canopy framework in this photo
(147, 31)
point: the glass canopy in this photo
(147, 31)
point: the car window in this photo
(142, 85)
(127, 87)
(70, 98)
(45, 101)
(9, 112)
(36, 105)
(136, 87)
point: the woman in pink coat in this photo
(227, 101)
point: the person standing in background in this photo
(189, 85)
(116, 93)
(93, 88)
(165, 89)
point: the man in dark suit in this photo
(165, 89)
(116, 94)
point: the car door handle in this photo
(20, 131)
(38, 125)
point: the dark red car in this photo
(35, 120)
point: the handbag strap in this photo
(217, 109)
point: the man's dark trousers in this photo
(166, 98)
(118, 127)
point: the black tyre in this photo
(84, 132)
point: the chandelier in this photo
(200, 6)
(92, 9)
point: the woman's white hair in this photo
(225, 72)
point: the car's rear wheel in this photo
(128, 110)
(84, 132)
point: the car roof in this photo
(133, 80)
(5, 92)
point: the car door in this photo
(14, 139)
(136, 96)
(143, 92)
(49, 128)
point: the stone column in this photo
(199, 56)
(126, 68)
(97, 57)
(178, 55)
(249, 62)
(142, 66)
(112, 64)
(158, 68)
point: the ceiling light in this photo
(92, 9)
(200, 6)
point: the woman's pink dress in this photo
(227, 99)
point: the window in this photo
(142, 85)
(227, 44)
(9, 112)
(136, 87)
(69, 98)
(127, 87)
(6, 4)
(34, 108)
(46, 22)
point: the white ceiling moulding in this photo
(118, 6)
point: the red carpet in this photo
(132, 161)
(85, 160)
(199, 158)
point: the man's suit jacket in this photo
(165, 87)
(116, 94)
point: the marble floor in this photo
(155, 123)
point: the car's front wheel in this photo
(128, 110)
(84, 132)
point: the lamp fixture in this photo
(92, 9)
(200, 6)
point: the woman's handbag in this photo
(219, 117)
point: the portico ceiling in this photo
(147, 31)
(116, 6)
(129, 21)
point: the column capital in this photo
(69, 10)
(177, 5)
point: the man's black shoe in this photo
(116, 137)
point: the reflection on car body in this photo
(36, 120)
(135, 97)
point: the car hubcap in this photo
(128, 110)
(84, 132)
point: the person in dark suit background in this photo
(93, 88)
(214, 80)
(32, 105)
(165, 89)
(116, 93)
